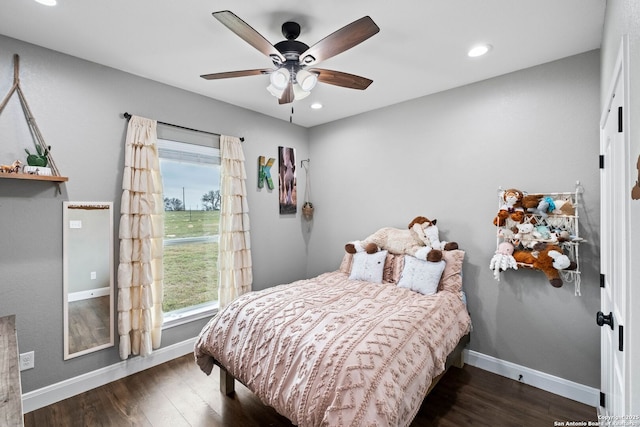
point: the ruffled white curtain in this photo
(234, 253)
(140, 272)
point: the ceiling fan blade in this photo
(338, 78)
(242, 73)
(287, 96)
(248, 34)
(339, 41)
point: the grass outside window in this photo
(190, 258)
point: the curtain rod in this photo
(128, 116)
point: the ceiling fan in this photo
(292, 79)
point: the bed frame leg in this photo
(458, 362)
(227, 382)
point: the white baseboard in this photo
(53, 393)
(565, 388)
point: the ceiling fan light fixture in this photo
(299, 93)
(280, 78)
(306, 79)
(47, 2)
(275, 91)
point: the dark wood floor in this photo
(177, 393)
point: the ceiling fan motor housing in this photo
(290, 30)
(291, 49)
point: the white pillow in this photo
(421, 276)
(368, 267)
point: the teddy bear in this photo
(547, 258)
(527, 236)
(420, 240)
(511, 207)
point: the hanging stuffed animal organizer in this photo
(538, 231)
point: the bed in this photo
(345, 348)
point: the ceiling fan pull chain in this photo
(291, 116)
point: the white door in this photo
(615, 198)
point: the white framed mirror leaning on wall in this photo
(88, 277)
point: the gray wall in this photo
(78, 106)
(444, 156)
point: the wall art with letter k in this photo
(264, 172)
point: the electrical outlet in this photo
(27, 360)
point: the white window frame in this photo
(195, 153)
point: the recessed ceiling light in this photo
(47, 2)
(479, 50)
(316, 106)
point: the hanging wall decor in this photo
(307, 206)
(264, 172)
(287, 180)
(39, 165)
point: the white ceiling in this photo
(420, 49)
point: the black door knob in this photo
(604, 319)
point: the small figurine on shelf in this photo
(12, 168)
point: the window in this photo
(191, 192)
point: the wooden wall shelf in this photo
(41, 147)
(34, 177)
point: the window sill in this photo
(191, 314)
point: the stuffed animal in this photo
(546, 234)
(527, 236)
(506, 233)
(503, 259)
(543, 208)
(563, 207)
(531, 201)
(547, 258)
(421, 240)
(511, 207)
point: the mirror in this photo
(87, 277)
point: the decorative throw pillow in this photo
(421, 276)
(345, 265)
(452, 276)
(368, 267)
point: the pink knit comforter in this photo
(329, 351)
